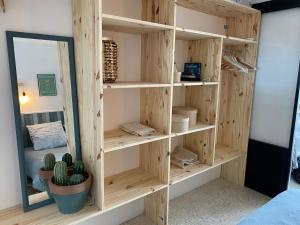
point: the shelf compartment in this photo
(118, 139)
(237, 41)
(197, 128)
(178, 174)
(133, 84)
(129, 186)
(194, 83)
(219, 8)
(128, 25)
(189, 34)
(226, 154)
(223, 155)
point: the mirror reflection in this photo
(46, 108)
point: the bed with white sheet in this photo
(33, 156)
(284, 209)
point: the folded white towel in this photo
(183, 157)
(138, 129)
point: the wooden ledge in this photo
(45, 215)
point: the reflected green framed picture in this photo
(47, 84)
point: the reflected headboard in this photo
(38, 118)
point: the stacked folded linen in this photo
(183, 157)
(137, 129)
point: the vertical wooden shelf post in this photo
(157, 66)
(237, 96)
(87, 30)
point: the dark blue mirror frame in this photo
(15, 96)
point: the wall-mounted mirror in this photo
(45, 106)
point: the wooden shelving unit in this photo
(223, 100)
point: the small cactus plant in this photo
(49, 161)
(78, 167)
(76, 179)
(67, 158)
(60, 174)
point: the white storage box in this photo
(187, 111)
(180, 123)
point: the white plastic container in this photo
(180, 123)
(177, 77)
(187, 111)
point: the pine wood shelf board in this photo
(221, 8)
(178, 174)
(118, 139)
(46, 215)
(128, 25)
(226, 154)
(194, 83)
(223, 155)
(2, 5)
(237, 41)
(189, 34)
(128, 186)
(238, 71)
(197, 128)
(133, 84)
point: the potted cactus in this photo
(67, 158)
(46, 172)
(70, 191)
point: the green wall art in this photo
(47, 84)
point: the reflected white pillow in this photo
(47, 135)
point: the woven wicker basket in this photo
(110, 60)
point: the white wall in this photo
(278, 62)
(49, 17)
(38, 57)
(55, 17)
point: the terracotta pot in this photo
(45, 176)
(71, 199)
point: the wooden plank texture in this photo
(196, 128)
(157, 57)
(205, 100)
(206, 51)
(155, 108)
(236, 96)
(156, 206)
(129, 186)
(194, 83)
(189, 34)
(201, 143)
(87, 37)
(65, 80)
(117, 139)
(155, 159)
(47, 215)
(221, 8)
(133, 84)
(223, 155)
(2, 5)
(128, 25)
